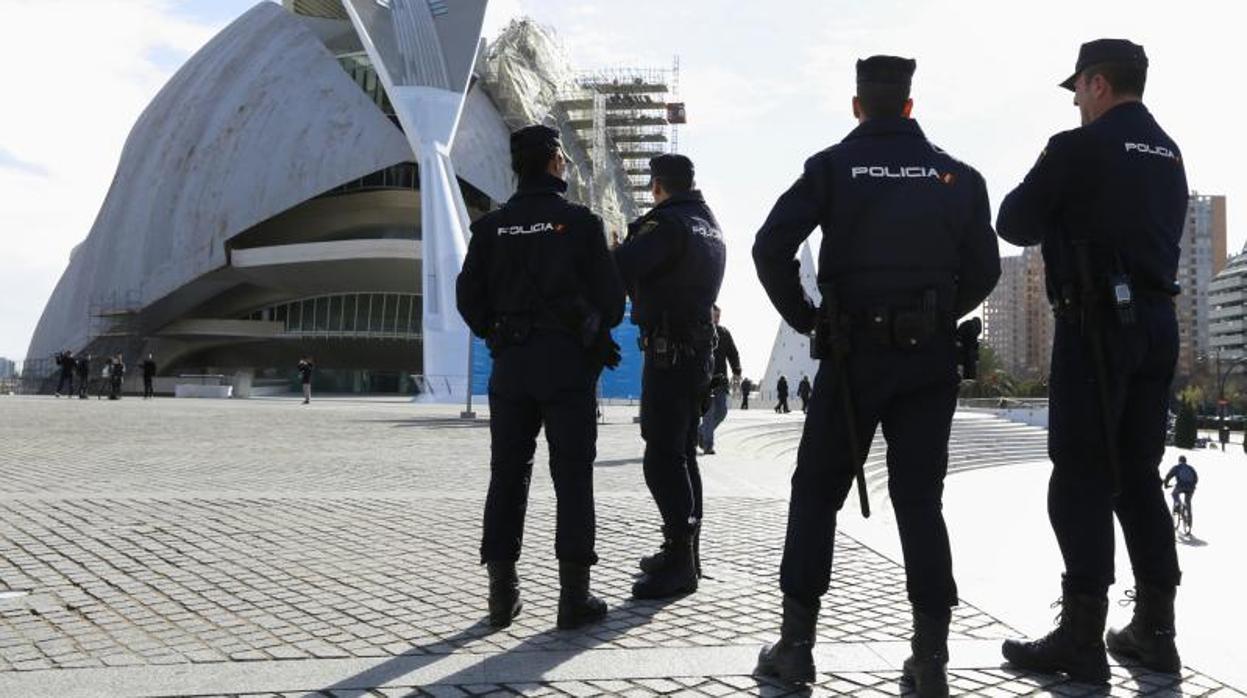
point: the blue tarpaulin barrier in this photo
(622, 383)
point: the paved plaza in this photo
(195, 548)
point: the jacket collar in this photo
(544, 183)
(692, 195)
(886, 126)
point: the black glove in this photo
(609, 353)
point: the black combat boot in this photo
(791, 660)
(1148, 639)
(655, 562)
(577, 606)
(927, 668)
(677, 576)
(504, 594)
(1075, 648)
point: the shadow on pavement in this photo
(434, 422)
(539, 660)
(618, 462)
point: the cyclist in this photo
(1186, 478)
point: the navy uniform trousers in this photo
(913, 394)
(670, 415)
(1141, 361)
(547, 381)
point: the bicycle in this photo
(1181, 517)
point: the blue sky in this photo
(767, 84)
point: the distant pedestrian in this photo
(117, 371)
(803, 392)
(64, 360)
(149, 374)
(305, 373)
(1224, 435)
(720, 385)
(82, 366)
(746, 387)
(781, 396)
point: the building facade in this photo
(1227, 314)
(1202, 258)
(1004, 325)
(1017, 318)
(267, 204)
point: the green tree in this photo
(1184, 431)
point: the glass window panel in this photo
(280, 315)
(308, 316)
(348, 313)
(417, 314)
(387, 313)
(374, 307)
(335, 314)
(322, 314)
(404, 314)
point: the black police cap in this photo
(1106, 51)
(887, 70)
(672, 165)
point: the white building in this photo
(1227, 300)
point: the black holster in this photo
(508, 331)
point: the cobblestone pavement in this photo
(151, 548)
(989, 682)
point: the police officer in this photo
(672, 264)
(1107, 202)
(907, 249)
(538, 284)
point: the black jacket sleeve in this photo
(979, 268)
(729, 350)
(472, 286)
(606, 292)
(790, 222)
(1028, 215)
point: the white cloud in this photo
(77, 76)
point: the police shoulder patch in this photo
(646, 227)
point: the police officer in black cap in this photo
(539, 285)
(1107, 202)
(672, 264)
(907, 249)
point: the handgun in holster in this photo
(658, 345)
(830, 338)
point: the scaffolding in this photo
(114, 324)
(634, 112)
